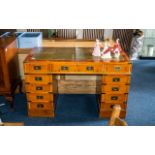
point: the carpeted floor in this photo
(82, 109)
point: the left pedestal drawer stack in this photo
(39, 90)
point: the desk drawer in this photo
(41, 113)
(39, 88)
(109, 106)
(37, 67)
(41, 106)
(114, 98)
(115, 79)
(117, 89)
(38, 79)
(107, 113)
(65, 67)
(118, 68)
(40, 97)
(90, 68)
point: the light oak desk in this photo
(42, 65)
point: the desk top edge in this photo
(68, 55)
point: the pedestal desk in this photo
(43, 64)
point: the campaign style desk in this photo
(42, 65)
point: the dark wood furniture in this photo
(42, 65)
(9, 69)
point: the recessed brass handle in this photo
(64, 68)
(115, 89)
(39, 97)
(114, 98)
(117, 68)
(116, 79)
(40, 106)
(37, 67)
(39, 88)
(90, 68)
(38, 78)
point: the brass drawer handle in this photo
(40, 106)
(64, 68)
(39, 97)
(116, 79)
(115, 89)
(38, 78)
(39, 88)
(90, 68)
(117, 68)
(37, 67)
(114, 98)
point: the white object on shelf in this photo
(150, 50)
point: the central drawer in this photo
(114, 98)
(38, 79)
(40, 97)
(90, 67)
(39, 88)
(119, 88)
(64, 67)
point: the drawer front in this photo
(118, 68)
(41, 106)
(40, 97)
(36, 67)
(107, 114)
(115, 79)
(115, 88)
(64, 67)
(90, 68)
(109, 106)
(38, 79)
(114, 98)
(41, 113)
(39, 88)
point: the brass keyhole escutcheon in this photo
(114, 98)
(115, 89)
(90, 68)
(39, 97)
(64, 68)
(117, 68)
(39, 88)
(116, 79)
(40, 105)
(37, 67)
(38, 78)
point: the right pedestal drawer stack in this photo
(114, 88)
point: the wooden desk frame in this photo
(41, 84)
